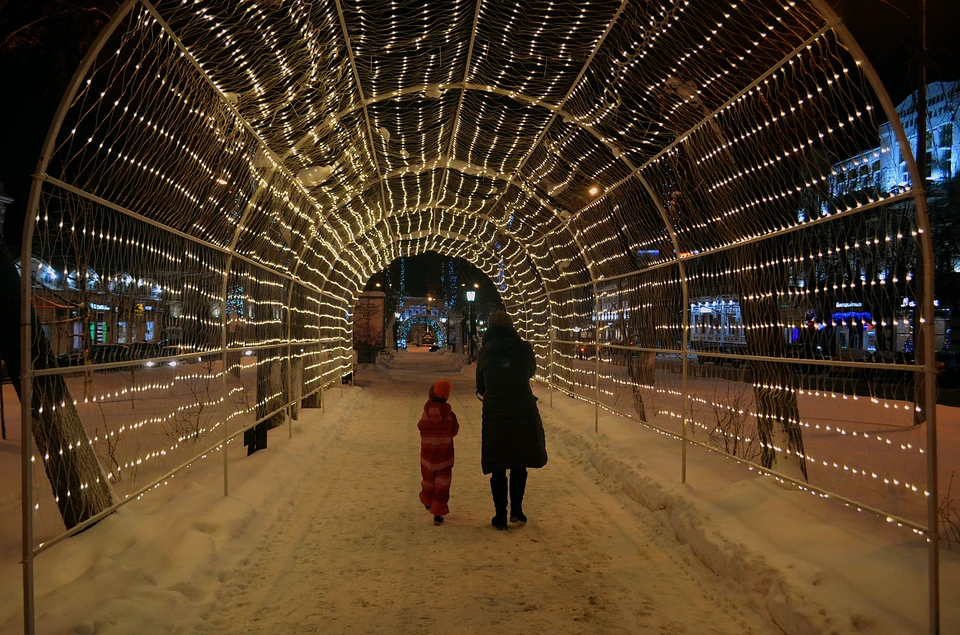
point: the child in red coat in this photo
(438, 425)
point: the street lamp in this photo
(471, 296)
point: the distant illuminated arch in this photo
(403, 330)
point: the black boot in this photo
(518, 484)
(498, 487)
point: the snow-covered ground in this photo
(323, 533)
(865, 448)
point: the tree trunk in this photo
(647, 312)
(777, 412)
(270, 392)
(312, 400)
(296, 384)
(79, 485)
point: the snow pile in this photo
(386, 359)
(185, 557)
(816, 566)
(139, 567)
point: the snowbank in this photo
(815, 565)
(130, 573)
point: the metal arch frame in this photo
(26, 312)
(634, 171)
(40, 176)
(410, 211)
(837, 26)
(927, 307)
(459, 238)
(448, 163)
(469, 240)
(413, 237)
(463, 93)
(423, 319)
(463, 86)
(366, 115)
(228, 266)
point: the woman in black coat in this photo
(512, 436)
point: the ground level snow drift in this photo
(323, 533)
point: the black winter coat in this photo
(512, 435)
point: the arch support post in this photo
(27, 375)
(550, 365)
(927, 326)
(596, 354)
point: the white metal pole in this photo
(927, 310)
(26, 315)
(26, 438)
(550, 381)
(596, 352)
(290, 400)
(928, 327)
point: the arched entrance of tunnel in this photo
(594, 225)
(429, 292)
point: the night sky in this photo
(37, 62)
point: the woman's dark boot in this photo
(518, 484)
(498, 487)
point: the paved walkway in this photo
(354, 552)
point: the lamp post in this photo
(471, 296)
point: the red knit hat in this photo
(441, 390)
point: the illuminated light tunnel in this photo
(403, 330)
(615, 167)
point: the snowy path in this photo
(353, 551)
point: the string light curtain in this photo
(618, 168)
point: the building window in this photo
(946, 135)
(77, 340)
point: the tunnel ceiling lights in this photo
(597, 159)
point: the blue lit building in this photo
(884, 168)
